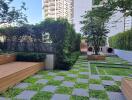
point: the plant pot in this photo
(96, 57)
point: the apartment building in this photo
(58, 9)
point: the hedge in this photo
(122, 41)
(31, 57)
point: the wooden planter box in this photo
(7, 58)
(96, 57)
(126, 87)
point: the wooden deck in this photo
(13, 73)
(127, 88)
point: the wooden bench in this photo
(126, 86)
(14, 72)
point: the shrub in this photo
(69, 61)
(122, 40)
(31, 57)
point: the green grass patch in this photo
(101, 71)
(81, 85)
(117, 71)
(73, 72)
(12, 92)
(35, 87)
(30, 80)
(106, 78)
(118, 83)
(64, 90)
(95, 81)
(101, 95)
(62, 74)
(83, 76)
(54, 82)
(43, 72)
(93, 69)
(79, 98)
(48, 77)
(42, 96)
(83, 70)
(70, 79)
(113, 88)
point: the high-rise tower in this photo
(58, 9)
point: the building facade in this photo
(58, 9)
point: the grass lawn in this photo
(77, 77)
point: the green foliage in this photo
(124, 6)
(43, 96)
(94, 25)
(31, 57)
(65, 41)
(113, 88)
(122, 40)
(98, 94)
(95, 81)
(9, 14)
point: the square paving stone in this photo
(103, 62)
(72, 75)
(49, 88)
(96, 87)
(84, 73)
(93, 99)
(42, 81)
(59, 78)
(51, 74)
(117, 78)
(60, 97)
(68, 84)
(116, 96)
(38, 76)
(109, 83)
(22, 85)
(26, 95)
(95, 77)
(79, 80)
(80, 92)
(3, 98)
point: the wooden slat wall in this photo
(126, 86)
(11, 80)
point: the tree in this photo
(94, 25)
(9, 14)
(124, 6)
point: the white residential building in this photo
(58, 9)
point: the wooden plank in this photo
(126, 86)
(18, 73)
(7, 58)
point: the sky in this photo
(34, 9)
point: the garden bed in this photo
(95, 57)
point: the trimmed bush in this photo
(122, 41)
(31, 57)
(69, 61)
